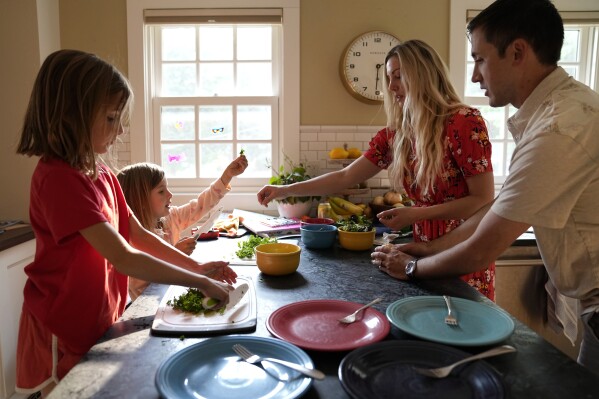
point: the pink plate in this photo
(315, 325)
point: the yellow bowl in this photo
(277, 258)
(356, 240)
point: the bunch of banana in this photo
(344, 207)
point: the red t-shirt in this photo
(74, 291)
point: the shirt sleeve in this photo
(379, 150)
(469, 143)
(68, 203)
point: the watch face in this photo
(363, 65)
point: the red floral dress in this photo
(467, 153)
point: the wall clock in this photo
(363, 65)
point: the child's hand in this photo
(186, 245)
(235, 168)
(218, 271)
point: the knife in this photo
(237, 295)
(207, 225)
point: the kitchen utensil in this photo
(237, 295)
(443, 372)
(207, 225)
(450, 319)
(350, 318)
(250, 357)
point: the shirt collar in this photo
(517, 123)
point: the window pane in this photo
(254, 43)
(497, 159)
(254, 122)
(254, 78)
(216, 43)
(472, 89)
(179, 160)
(216, 79)
(178, 80)
(259, 157)
(177, 123)
(214, 158)
(572, 71)
(495, 119)
(178, 44)
(571, 45)
(216, 122)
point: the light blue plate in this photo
(424, 317)
(210, 369)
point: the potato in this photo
(392, 197)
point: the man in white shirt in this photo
(553, 182)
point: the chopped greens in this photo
(246, 248)
(355, 223)
(193, 302)
(242, 152)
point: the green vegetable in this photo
(241, 152)
(193, 302)
(355, 223)
(246, 248)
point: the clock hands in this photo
(376, 85)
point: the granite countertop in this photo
(124, 361)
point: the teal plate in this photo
(210, 369)
(424, 317)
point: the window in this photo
(579, 58)
(210, 82)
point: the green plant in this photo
(292, 174)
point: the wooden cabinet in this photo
(12, 280)
(519, 289)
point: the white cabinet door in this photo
(12, 281)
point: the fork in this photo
(450, 319)
(252, 358)
(350, 318)
(443, 372)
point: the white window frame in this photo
(458, 43)
(141, 137)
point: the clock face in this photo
(363, 65)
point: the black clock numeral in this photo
(352, 66)
(378, 92)
(364, 44)
(356, 79)
(364, 88)
(377, 39)
(357, 54)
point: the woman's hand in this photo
(398, 218)
(389, 259)
(269, 193)
(218, 270)
(186, 245)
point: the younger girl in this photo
(87, 240)
(146, 190)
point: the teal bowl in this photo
(317, 236)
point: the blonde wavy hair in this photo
(419, 125)
(138, 181)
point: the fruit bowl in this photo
(277, 258)
(356, 240)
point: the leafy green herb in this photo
(242, 152)
(246, 248)
(355, 223)
(192, 302)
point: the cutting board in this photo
(241, 317)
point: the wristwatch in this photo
(411, 269)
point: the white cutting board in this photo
(241, 317)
